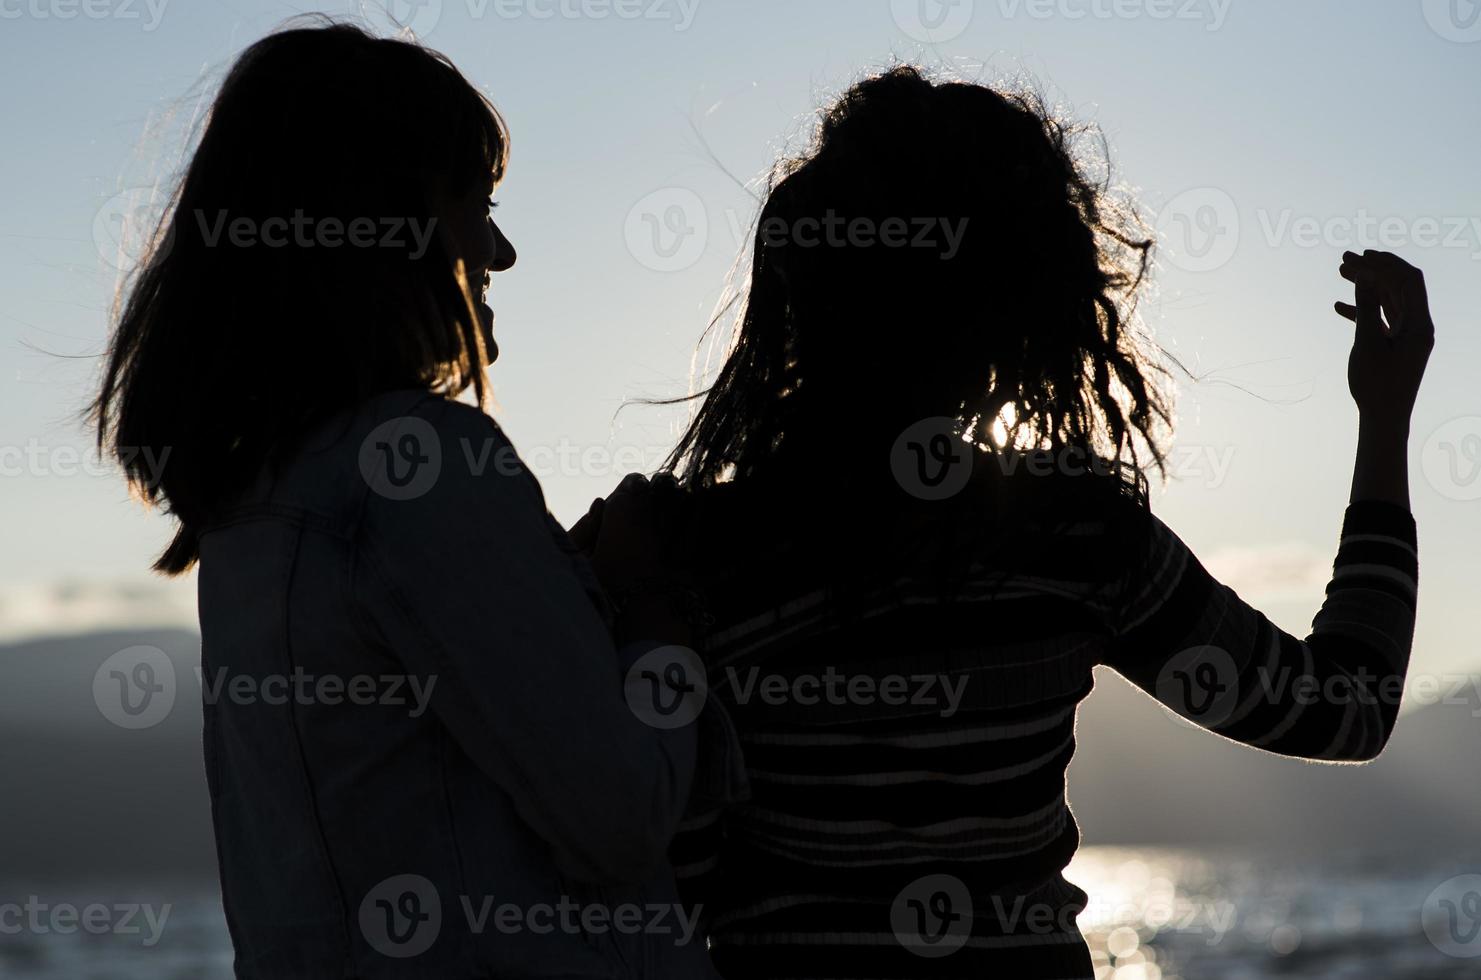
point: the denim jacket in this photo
(420, 757)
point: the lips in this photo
(486, 316)
(485, 311)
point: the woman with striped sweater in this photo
(914, 501)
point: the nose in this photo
(504, 253)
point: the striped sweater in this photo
(907, 813)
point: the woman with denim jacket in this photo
(421, 759)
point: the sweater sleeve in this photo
(1192, 643)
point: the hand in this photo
(584, 533)
(628, 545)
(1393, 339)
(631, 552)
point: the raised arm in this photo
(1192, 643)
(1196, 646)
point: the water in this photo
(1164, 914)
(1154, 914)
(101, 931)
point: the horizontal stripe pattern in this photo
(868, 817)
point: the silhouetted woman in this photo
(914, 498)
(420, 759)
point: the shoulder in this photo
(440, 477)
(405, 421)
(425, 412)
(432, 448)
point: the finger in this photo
(1369, 263)
(1415, 296)
(1369, 314)
(1402, 296)
(1389, 269)
(1384, 273)
(1405, 290)
(633, 484)
(1347, 311)
(1388, 261)
(1395, 285)
(584, 533)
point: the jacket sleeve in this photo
(1193, 644)
(459, 570)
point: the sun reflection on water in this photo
(1156, 913)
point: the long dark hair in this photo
(224, 352)
(1015, 316)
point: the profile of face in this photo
(471, 234)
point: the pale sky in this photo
(1265, 136)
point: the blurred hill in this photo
(87, 797)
